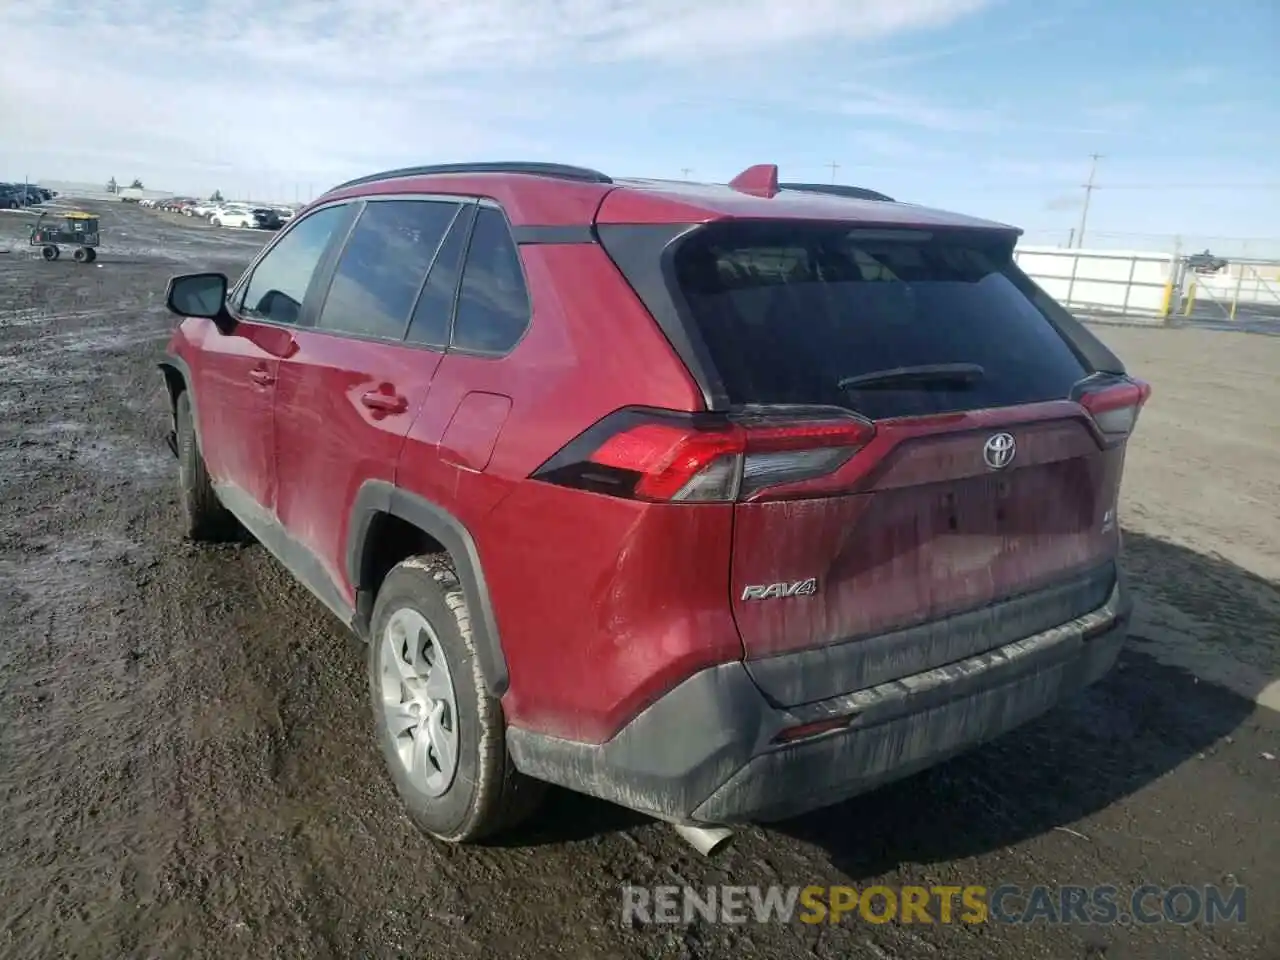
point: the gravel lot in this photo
(186, 768)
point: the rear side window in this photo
(493, 303)
(383, 265)
(434, 309)
(815, 314)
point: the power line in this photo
(1187, 186)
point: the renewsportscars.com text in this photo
(1007, 903)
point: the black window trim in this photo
(330, 267)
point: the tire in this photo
(204, 518)
(215, 222)
(90, 254)
(81, 255)
(484, 794)
(50, 252)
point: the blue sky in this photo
(985, 106)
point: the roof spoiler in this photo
(761, 180)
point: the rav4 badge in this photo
(775, 591)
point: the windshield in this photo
(799, 313)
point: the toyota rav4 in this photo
(722, 502)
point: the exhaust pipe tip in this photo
(706, 840)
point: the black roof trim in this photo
(838, 190)
(560, 171)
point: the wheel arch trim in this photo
(377, 497)
(173, 366)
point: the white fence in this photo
(1146, 285)
(1243, 283)
(1124, 282)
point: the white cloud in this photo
(1200, 75)
(321, 88)
(1046, 172)
(1117, 112)
(863, 100)
(888, 145)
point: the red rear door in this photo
(980, 482)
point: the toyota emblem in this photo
(999, 450)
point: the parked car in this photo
(11, 197)
(266, 218)
(14, 196)
(232, 215)
(1206, 262)
(201, 208)
(720, 502)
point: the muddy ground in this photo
(186, 768)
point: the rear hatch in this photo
(929, 467)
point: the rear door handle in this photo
(261, 376)
(384, 402)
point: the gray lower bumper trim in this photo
(806, 676)
(705, 753)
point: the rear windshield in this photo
(790, 311)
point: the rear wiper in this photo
(924, 375)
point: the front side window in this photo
(279, 282)
(383, 267)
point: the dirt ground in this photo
(186, 767)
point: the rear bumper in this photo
(707, 753)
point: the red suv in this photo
(721, 502)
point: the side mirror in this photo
(201, 295)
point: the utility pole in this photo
(685, 171)
(834, 167)
(1088, 195)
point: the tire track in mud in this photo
(186, 766)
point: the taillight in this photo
(1115, 406)
(673, 458)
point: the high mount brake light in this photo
(1115, 407)
(666, 458)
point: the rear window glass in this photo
(790, 311)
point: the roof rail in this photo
(562, 171)
(838, 190)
